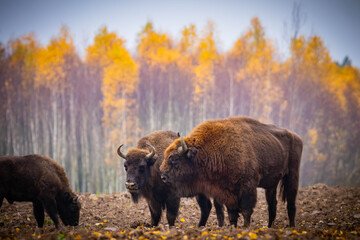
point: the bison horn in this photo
(183, 145)
(121, 154)
(152, 153)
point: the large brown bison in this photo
(228, 159)
(143, 179)
(40, 180)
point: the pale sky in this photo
(335, 21)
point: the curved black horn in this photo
(121, 154)
(183, 145)
(152, 153)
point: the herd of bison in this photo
(223, 181)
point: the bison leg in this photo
(205, 207)
(172, 209)
(155, 211)
(51, 209)
(272, 202)
(291, 181)
(290, 185)
(219, 212)
(247, 204)
(291, 207)
(39, 213)
(233, 215)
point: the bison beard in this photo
(228, 159)
(134, 197)
(143, 179)
(43, 182)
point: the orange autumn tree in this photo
(204, 72)
(118, 72)
(19, 96)
(97, 59)
(317, 92)
(52, 79)
(55, 79)
(158, 59)
(186, 77)
(52, 59)
(258, 71)
(110, 61)
(235, 65)
(349, 163)
(119, 84)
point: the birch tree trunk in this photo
(231, 94)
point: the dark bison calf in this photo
(228, 159)
(43, 182)
(143, 179)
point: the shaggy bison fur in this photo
(43, 182)
(228, 159)
(143, 179)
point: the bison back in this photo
(160, 140)
(25, 178)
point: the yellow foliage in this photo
(165, 56)
(151, 42)
(187, 49)
(311, 60)
(96, 234)
(107, 234)
(238, 49)
(98, 53)
(188, 39)
(119, 74)
(313, 135)
(156, 49)
(23, 60)
(51, 61)
(252, 235)
(340, 80)
(77, 237)
(119, 83)
(253, 55)
(207, 56)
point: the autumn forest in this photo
(79, 109)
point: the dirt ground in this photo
(322, 212)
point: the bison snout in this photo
(164, 177)
(131, 186)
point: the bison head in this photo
(178, 167)
(69, 208)
(137, 166)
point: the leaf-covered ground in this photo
(322, 212)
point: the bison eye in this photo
(142, 169)
(125, 167)
(174, 160)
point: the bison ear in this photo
(67, 197)
(152, 160)
(190, 154)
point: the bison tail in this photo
(282, 192)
